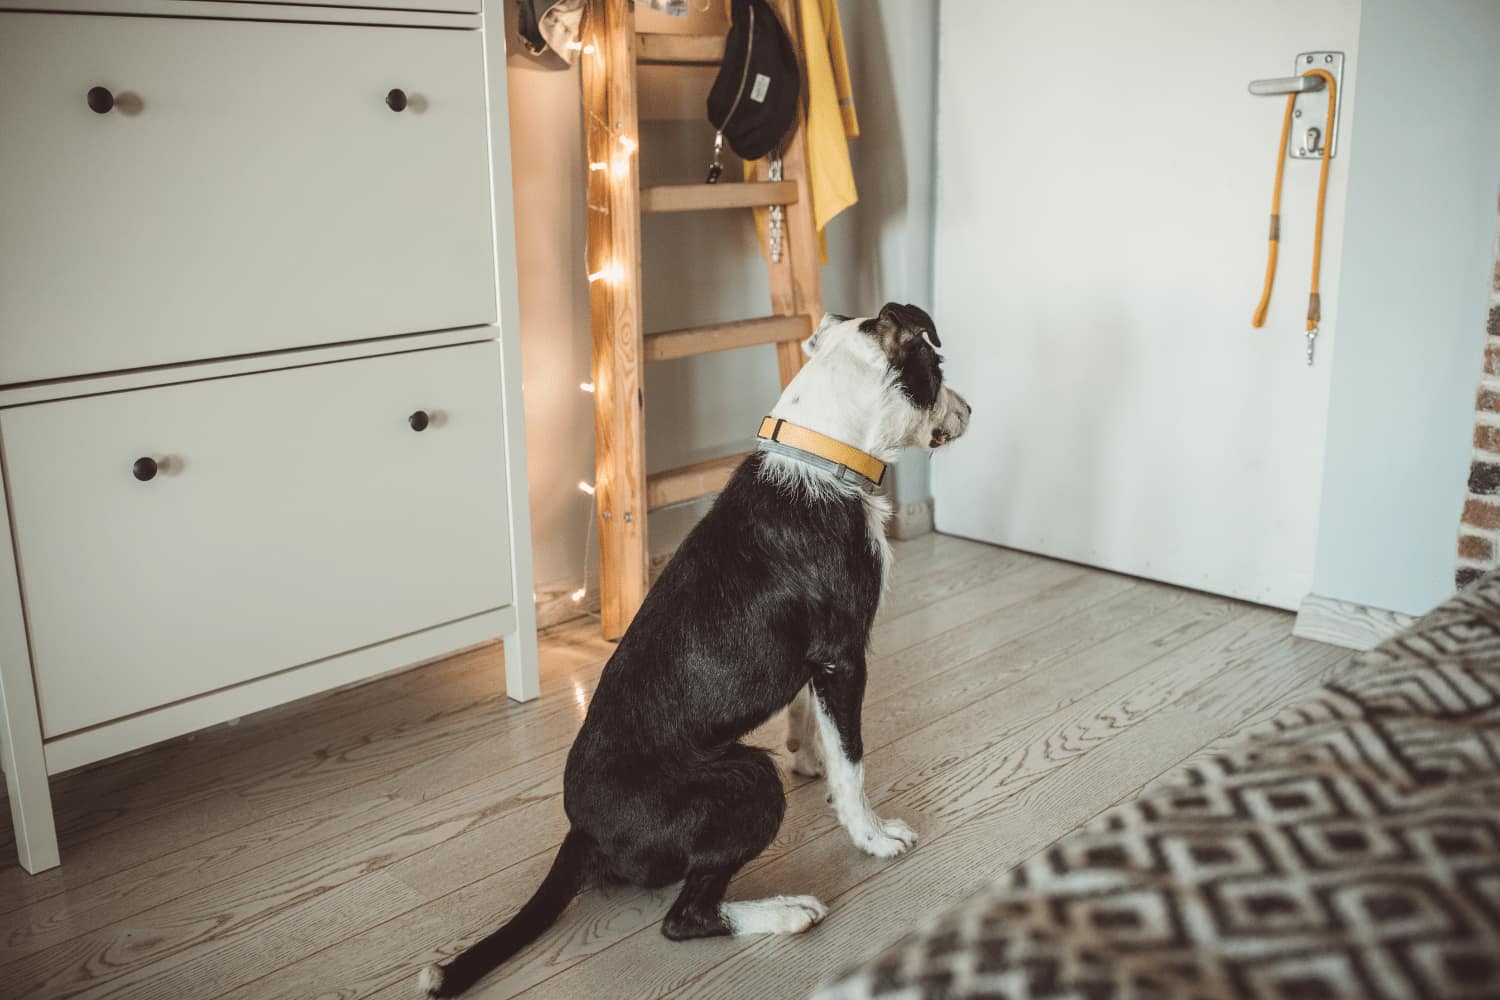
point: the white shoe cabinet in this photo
(260, 389)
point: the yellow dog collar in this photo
(836, 456)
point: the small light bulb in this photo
(588, 50)
(579, 594)
(587, 488)
(628, 143)
(586, 386)
(598, 166)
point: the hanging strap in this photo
(1314, 308)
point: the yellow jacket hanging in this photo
(831, 119)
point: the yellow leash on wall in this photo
(1313, 307)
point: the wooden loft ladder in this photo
(629, 77)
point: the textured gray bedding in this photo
(1349, 848)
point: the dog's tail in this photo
(541, 911)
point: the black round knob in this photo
(396, 99)
(418, 420)
(100, 100)
(144, 469)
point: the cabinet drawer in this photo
(292, 515)
(248, 188)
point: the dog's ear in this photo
(810, 345)
(898, 326)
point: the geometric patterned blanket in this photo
(1350, 847)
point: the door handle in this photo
(1309, 97)
(1286, 85)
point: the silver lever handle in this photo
(1287, 85)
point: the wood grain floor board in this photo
(994, 597)
(272, 756)
(328, 848)
(228, 865)
(448, 866)
(305, 774)
(916, 557)
(444, 868)
(1038, 814)
(194, 761)
(966, 571)
(950, 790)
(221, 858)
(927, 552)
(921, 759)
(334, 839)
(877, 910)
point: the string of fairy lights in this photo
(616, 164)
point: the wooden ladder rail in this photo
(627, 77)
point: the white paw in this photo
(808, 761)
(884, 838)
(777, 915)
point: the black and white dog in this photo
(774, 592)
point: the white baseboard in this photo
(908, 520)
(1343, 623)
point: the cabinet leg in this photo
(21, 751)
(26, 776)
(522, 681)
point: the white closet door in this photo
(1103, 192)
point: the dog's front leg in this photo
(839, 691)
(802, 734)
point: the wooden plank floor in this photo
(328, 849)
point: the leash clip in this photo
(1312, 339)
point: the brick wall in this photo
(1479, 534)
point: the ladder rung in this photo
(701, 197)
(671, 344)
(674, 93)
(658, 47)
(690, 482)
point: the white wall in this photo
(1420, 220)
(881, 250)
(554, 307)
(699, 268)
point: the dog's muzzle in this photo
(950, 426)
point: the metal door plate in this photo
(1311, 109)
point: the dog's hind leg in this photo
(742, 803)
(802, 734)
(839, 692)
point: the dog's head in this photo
(914, 408)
